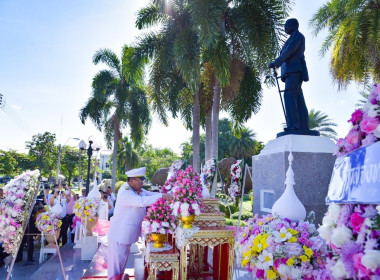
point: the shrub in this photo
(118, 185)
(244, 215)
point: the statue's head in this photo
(291, 25)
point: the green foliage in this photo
(354, 34)
(44, 151)
(155, 158)
(234, 222)
(122, 177)
(107, 174)
(7, 163)
(127, 156)
(118, 185)
(244, 215)
(69, 166)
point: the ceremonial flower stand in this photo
(164, 261)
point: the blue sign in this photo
(356, 177)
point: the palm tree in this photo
(243, 144)
(175, 55)
(118, 100)
(320, 121)
(354, 34)
(127, 156)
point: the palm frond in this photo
(109, 58)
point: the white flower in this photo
(339, 271)
(162, 231)
(266, 259)
(328, 221)
(334, 211)
(282, 235)
(372, 111)
(378, 206)
(284, 270)
(371, 259)
(340, 236)
(325, 233)
(155, 226)
(295, 273)
(165, 224)
(376, 132)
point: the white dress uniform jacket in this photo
(129, 214)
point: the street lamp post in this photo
(82, 145)
(90, 149)
(59, 156)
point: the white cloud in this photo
(18, 108)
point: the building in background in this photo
(104, 164)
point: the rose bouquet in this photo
(274, 248)
(236, 176)
(175, 167)
(159, 218)
(87, 208)
(48, 222)
(365, 125)
(187, 193)
(352, 232)
(14, 209)
(208, 173)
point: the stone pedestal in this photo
(89, 247)
(313, 164)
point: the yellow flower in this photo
(292, 231)
(308, 251)
(292, 239)
(271, 274)
(244, 262)
(260, 223)
(247, 253)
(303, 258)
(290, 262)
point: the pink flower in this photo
(356, 117)
(356, 221)
(369, 139)
(353, 137)
(369, 124)
(362, 270)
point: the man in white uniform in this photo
(126, 222)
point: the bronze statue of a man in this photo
(293, 73)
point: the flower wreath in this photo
(236, 176)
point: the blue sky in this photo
(46, 71)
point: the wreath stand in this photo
(10, 269)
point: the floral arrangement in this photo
(236, 174)
(14, 209)
(173, 170)
(274, 248)
(159, 218)
(365, 125)
(187, 193)
(87, 208)
(352, 232)
(208, 173)
(48, 222)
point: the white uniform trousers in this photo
(117, 257)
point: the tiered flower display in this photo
(274, 248)
(173, 171)
(208, 173)
(48, 222)
(159, 218)
(236, 176)
(187, 193)
(87, 208)
(14, 209)
(352, 231)
(365, 125)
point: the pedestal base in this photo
(312, 165)
(89, 247)
(299, 132)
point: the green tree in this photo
(118, 100)
(44, 151)
(70, 163)
(8, 163)
(155, 158)
(127, 156)
(354, 34)
(243, 145)
(24, 161)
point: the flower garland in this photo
(208, 173)
(365, 125)
(352, 232)
(87, 208)
(274, 248)
(236, 175)
(175, 167)
(14, 209)
(187, 193)
(48, 222)
(159, 218)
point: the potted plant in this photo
(50, 224)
